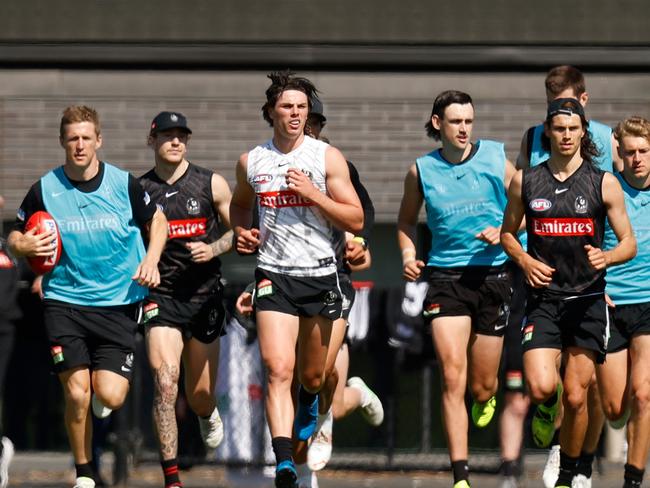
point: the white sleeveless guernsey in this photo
(296, 239)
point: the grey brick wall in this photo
(376, 119)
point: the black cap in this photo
(565, 106)
(317, 108)
(169, 120)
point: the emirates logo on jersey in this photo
(187, 228)
(281, 199)
(563, 227)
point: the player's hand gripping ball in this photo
(44, 222)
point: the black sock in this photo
(305, 397)
(510, 468)
(584, 464)
(633, 476)
(568, 467)
(282, 449)
(556, 438)
(460, 470)
(170, 471)
(85, 470)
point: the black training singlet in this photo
(561, 218)
(188, 205)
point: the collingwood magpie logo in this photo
(580, 204)
(193, 206)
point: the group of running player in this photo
(300, 207)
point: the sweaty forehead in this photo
(292, 96)
(459, 111)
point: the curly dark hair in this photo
(442, 101)
(282, 81)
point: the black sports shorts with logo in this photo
(97, 337)
(299, 296)
(480, 292)
(203, 318)
(558, 322)
(627, 321)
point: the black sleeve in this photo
(366, 202)
(141, 205)
(32, 203)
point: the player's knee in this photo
(641, 397)
(201, 402)
(112, 396)
(279, 371)
(166, 384)
(575, 398)
(612, 410)
(312, 380)
(78, 395)
(540, 391)
(484, 389)
(453, 380)
(517, 403)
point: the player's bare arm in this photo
(203, 252)
(538, 274)
(406, 225)
(147, 273)
(241, 207)
(625, 250)
(341, 206)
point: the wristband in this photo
(408, 255)
(362, 241)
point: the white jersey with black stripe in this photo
(296, 239)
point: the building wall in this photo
(375, 118)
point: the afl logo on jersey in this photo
(540, 204)
(193, 206)
(263, 178)
(580, 204)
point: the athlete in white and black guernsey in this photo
(624, 378)
(90, 296)
(303, 188)
(184, 317)
(463, 186)
(565, 201)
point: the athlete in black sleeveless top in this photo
(185, 316)
(564, 268)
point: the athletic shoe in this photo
(306, 419)
(84, 482)
(552, 468)
(509, 482)
(306, 477)
(371, 407)
(211, 429)
(482, 413)
(286, 475)
(543, 424)
(580, 481)
(5, 461)
(620, 422)
(100, 411)
(632, 484)
(462, 484)
(320, 450)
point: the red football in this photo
(44, 222)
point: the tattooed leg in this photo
(164, 414)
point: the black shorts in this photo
(481, 292)
(203, 318)
(97, 337)
(348, 292)
(299, 296)
(513, 354)
(558, 323)
(627, 321)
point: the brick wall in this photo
(375, 118)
